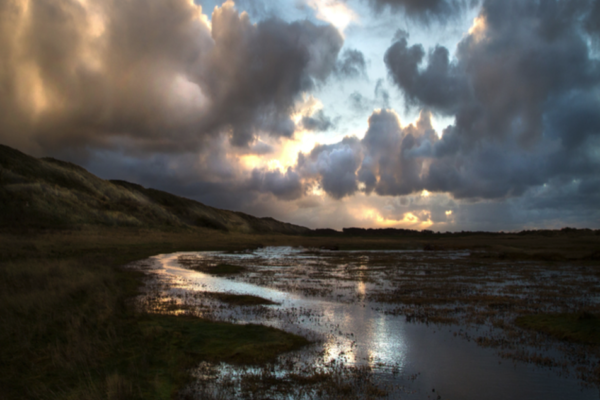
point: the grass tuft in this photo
(203, 340)
(226, 269)
(240, 299)
(578, 327)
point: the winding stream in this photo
(416, 360)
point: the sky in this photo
(446, 115)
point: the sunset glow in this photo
(319, 112)
(335, 12)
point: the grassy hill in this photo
(56, 194)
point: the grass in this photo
(67, 330)
(51, 193)
(219, 269)
(578, 327)
(225, 269)
(202, 340)
(240, 299)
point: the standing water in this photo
(347, 303)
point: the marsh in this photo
(383, 324)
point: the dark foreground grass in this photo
(240, 299)
(219, 341)
(218, 270)
(226, 269)
(68, 330)
(578, 327)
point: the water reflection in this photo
(335, 309)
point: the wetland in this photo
(409, 323)
(453, 315)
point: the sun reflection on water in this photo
(327, 297)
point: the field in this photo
(68, 329)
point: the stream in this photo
(410, 359)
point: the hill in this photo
(49, 193)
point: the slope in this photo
(49, 193)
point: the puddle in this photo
(329, 297)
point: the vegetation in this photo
(67, 330)
(49, 193)
(67, 327)
(240, 300)
(226, 269)
(219, 269)
(581, 327)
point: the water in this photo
(326, 296)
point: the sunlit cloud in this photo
(335, 12)
(308, 105)
(372, 217)
(251, 161)
(186, 94)
(32, 90)
(477, 30)
(232, 103)
(286, 149)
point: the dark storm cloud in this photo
(524, 93)
(400, 34)
(388, 160)
(592, 23)
(394, 156)
(285, 186)
(151, 76)
(256, 72)
(441, 85)
(523, 90)
(351, 64)
(521, 55)
(334, 167)
(424, 9)
(317, 122)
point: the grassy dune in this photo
(51, 193)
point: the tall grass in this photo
(66, 329)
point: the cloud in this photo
(285, 186)
(217, 109)
(517, 56)
(382, 96)
(362, 104)
(333, 166)
(359, 103)
(154, 77)
(592, 23)
(523, 90)
(351, 64)
(441, 85)
(424, 10)
(257, 72)
(394, 157)
(336, 12)
(317, 122)
(388, 160)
